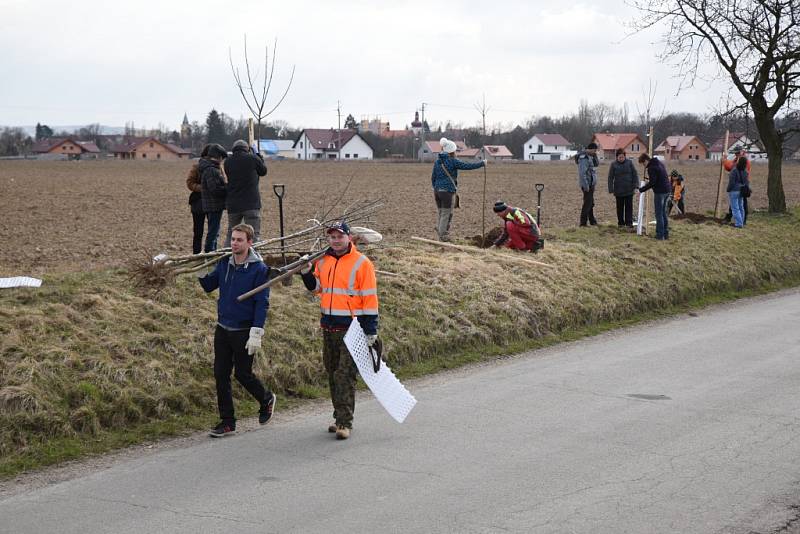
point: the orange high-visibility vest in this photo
(346, 285)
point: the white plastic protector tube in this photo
(19, 281)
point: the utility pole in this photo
(339, 130)
(422, 145)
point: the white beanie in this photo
(447, 145)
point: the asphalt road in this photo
(684, 425)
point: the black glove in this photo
(376, 353)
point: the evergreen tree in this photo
(43, 131)
(350, 122)
(215, 128)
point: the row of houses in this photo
(673, 148)
(346, 144)
(145, 148)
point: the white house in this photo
(319, 144)
(737, 140)
(546, 147)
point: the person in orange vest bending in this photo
(345, 280)
(520, 231)
(728, 165)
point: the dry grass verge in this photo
(85, 359)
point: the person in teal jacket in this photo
(444, 180)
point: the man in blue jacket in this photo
(240, 327)
(659, 182)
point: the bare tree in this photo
(754, 43)
(256, 101)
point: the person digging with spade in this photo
(240, 327)
(345, 280)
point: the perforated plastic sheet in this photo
(19, 281)
(389, 391)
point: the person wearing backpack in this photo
(444, 180)
(623, 179)
(738, 184)
(587, 180)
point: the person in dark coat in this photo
(194, 185)
(213, 192)
(243, 202)
(658, 181)
(623, 180)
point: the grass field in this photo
(88, 363)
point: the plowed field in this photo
(65, 216)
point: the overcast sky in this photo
(151, 62)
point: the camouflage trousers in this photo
(342, 373)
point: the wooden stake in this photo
(479, 251)
(250, 135)
(718, 204)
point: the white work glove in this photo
(371, 339)
(201, 273)
(308, 267)
(253, 345)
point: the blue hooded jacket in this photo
(234, 280)
(439, 178)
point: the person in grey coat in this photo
(587, 181)
(623, 181)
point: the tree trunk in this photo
(772, 144)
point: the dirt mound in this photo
(487, 240)
(696, 218)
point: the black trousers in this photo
(625, 210)
(587, 209)
(230, 354)
(198, 224)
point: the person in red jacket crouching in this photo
(520, 231)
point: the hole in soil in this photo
(696, 218)
(487, 240)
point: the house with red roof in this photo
(737, 141)
(67, 148)
(547, 147)
(431, 150)
(682, 148)
(321, 144)
(608, 143)
(149, 149)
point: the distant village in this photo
(375, 139)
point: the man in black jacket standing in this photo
(659, 182)
(243, 203)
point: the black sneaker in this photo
(265, 413)
(222, 429)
